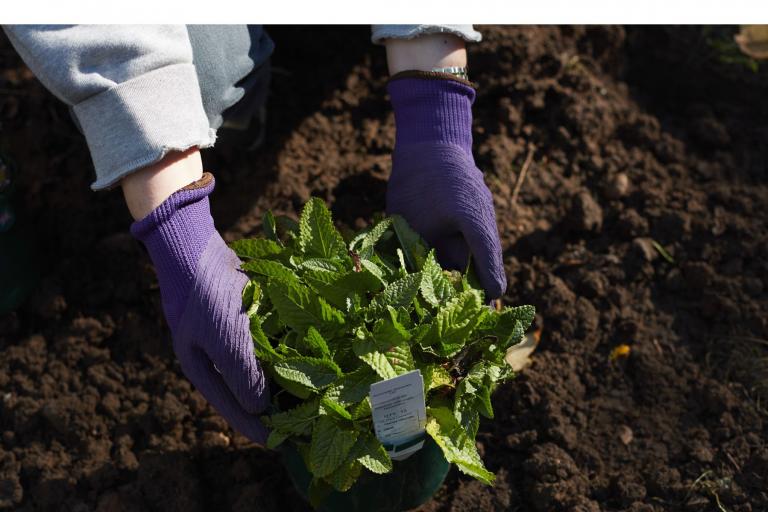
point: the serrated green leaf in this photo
(269, 227)
(420, 311)
(308, 371)
(434, 377)
(344, 477)
(362, 282)
(400, 358)
(397, 294)
(323, 277)
(374, 235)
(414, 248)
(270, 269)
(328, 406)
(251, 298)
(508, 326)
(357, 240)
(330, 445)
(454, 277)
(489, 373)
(435, 286)
(468, 417)
(318, 491)
(473, 394)
(254, 248)
(287, 225)
(369, 452)
(470, 279)
(391, 339)
(339, 288)
(497, 373)
(262, 348)
(352, 387)
(368, 352)
(362, 409)
(419, 332)
(388, 264)
(374, 269)
(297, 421)
(322, 264)
(286, 351)
(515, 337)
(316, 344)
(525, 314)
(294, 388)
(341, 348)
(465, 407)
(270, 324)
(388, 355)
(404, 317)
(388, 331)
(483, 400)
(401, 260)
(457, 447)
(451, 328)
(317, 235)
(276, 438)
(301, 309)
(287, 346)
(303, 448)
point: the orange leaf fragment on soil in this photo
(622, 350)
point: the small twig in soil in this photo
(711, 485)
(521, 176)
(733, 461)
(661, 250)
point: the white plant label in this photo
(400, 414)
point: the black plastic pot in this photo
(411, 482)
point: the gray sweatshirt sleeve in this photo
(381, 32)
(133, 89)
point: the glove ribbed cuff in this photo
(175, 235)
(432, 108)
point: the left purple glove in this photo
(201, 289)
(435, 184)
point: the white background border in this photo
(714, 12)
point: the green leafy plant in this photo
(330, 317)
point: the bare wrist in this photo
(147, 188)
(425, 53)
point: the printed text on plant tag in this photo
(399, 413)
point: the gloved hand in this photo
(435, 184)
(201, 290)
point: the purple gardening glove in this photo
(201, 289)
(435, 184)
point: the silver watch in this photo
(458, 71)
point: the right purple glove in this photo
(201, 288)
(435, 184)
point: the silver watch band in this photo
(459, 71)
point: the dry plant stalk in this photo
(521, 176)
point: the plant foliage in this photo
(329, 318)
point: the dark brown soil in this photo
(640, 136)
